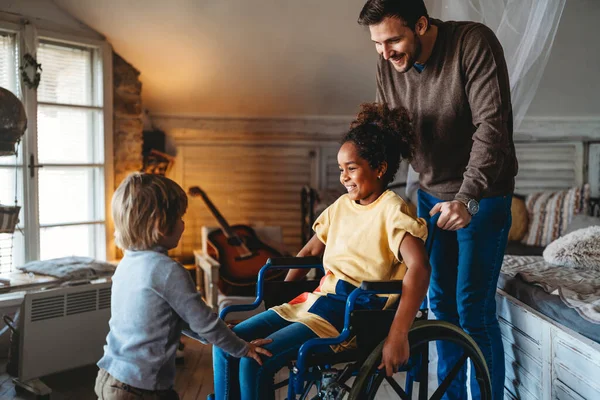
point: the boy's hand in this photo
(254, 349)
(395, 353)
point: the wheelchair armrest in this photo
(383, 287)
(287, 261)
(273, 263)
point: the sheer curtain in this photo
(526, 30)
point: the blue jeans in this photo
(256, 382)
(465, 268)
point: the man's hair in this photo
(145, 207)
(375, 11)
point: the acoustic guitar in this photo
(239, 251)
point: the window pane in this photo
(68, 135)
(67, 76)
(12, 251)
(7, 189)
(10, 160)
(8, 62)
(70, 195)
(80, 240)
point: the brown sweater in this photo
(461, 111)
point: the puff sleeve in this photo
(399, 222)
(321, 225)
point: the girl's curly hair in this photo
(382, 134)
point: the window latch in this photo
(33, 165)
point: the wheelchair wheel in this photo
(370, 380)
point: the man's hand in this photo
(254, 349)
(454, 215)
(395, 353)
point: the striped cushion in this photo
(551, 212)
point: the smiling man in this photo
(453, 79)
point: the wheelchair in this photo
(353, 374)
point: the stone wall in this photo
(127, 117)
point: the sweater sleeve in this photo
(380, 94)
(180, 293)
(488, 91)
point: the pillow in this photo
(70, 268)
(578, 249)
(551, 212)
(581, 221)
(520, 220)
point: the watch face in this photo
(473, 207)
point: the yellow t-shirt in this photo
(362, 243)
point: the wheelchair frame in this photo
(416, 369)
(300, 373)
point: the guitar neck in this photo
(233, 239)
(220, 220)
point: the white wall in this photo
(241, 57)
(571, 83)
(45, 14)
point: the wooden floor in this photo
(194, 379)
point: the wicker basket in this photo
(9, 217)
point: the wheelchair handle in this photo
(284, 263)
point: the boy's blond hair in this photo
(145, 207)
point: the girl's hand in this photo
(395, 353)
(254, 349)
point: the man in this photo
(452, 77)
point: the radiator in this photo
(62, 329)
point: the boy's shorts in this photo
(109, 388)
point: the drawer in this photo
(520, 382)
(515, 391)
(562, 392)
(518, 358)
(517, 317)
(581, 360)
(508, 395)
(516, 338)
(586, 389)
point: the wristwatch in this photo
(471, 204)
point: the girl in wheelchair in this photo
(368, 234)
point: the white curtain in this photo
(526, 30)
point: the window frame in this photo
(28, 145)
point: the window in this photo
(11, 250)
(62, 165)
(70, 144)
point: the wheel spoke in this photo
(399, 391)
(448, 380)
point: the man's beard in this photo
(410, 60)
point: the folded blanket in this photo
(70, 268)
(578, 288)
(578, 249)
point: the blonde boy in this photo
(152, 295)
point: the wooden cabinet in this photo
(545, 360)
